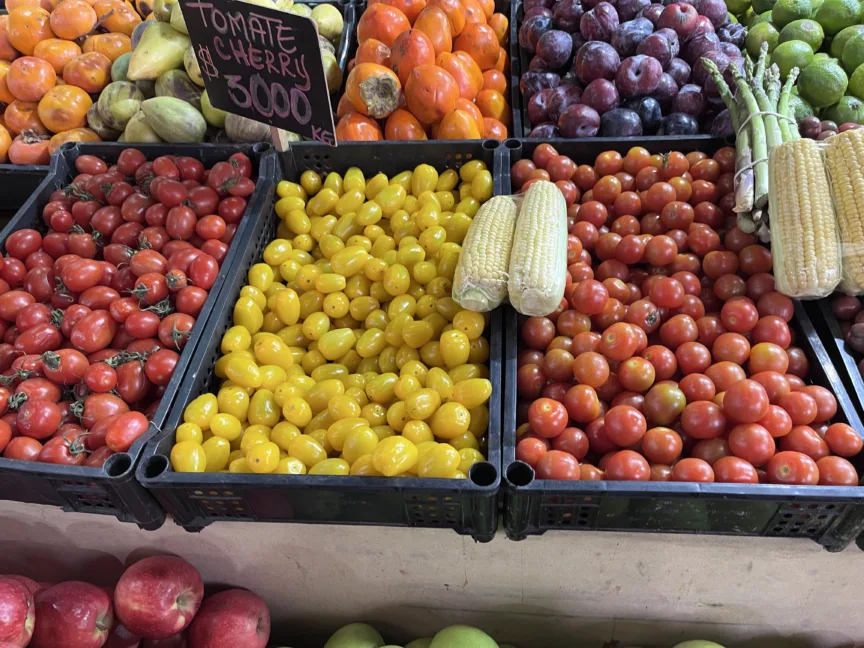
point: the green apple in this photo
(460, 636)
(356, 635)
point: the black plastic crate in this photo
(520, 59)
(833, 516)
(195, 500)
(112, 489)
(17, 183)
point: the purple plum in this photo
(627, 9)
(620, 122)
(679, 70)
(651, 12)
(679, 17)
(538, 63)
(714, 10)
(578, 40)
(562, 97)
(599, 23)
(536, 11)
(672, 37)
(732, 33)
(721, 125)
(590, 4)
(570, 79)
(545, 132)
(665, 91)
(700, 74)
(730, 50)
(538, 107)
(579, 120)
(649, 112)
(596, 60)
(699, 46)
(532, 29)
(530, 4)
(601, 95)
(679, 124)
(656, 47)
(689, 100)
(638, 76)
(567, 15)
(555, 47)
(533, 82)
(703, 26)
(627, 37)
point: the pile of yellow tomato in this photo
(347, 355)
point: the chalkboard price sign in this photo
(262, 63)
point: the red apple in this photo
(32, 586)
(231, 619)
(175, 641)
(72, 615)
(158, 597)
(122, 638)
(17, 612)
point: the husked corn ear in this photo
(538, 261)
(480, 282)
(844, 156)
(805, 242)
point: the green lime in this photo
(807, 30)
(749, 18)
(836, 15)
(732, 17)
(853, 53)
(786, 11)
(761, 6)
(822, 83)
(800, 108)
(737, 7)
(815, 4)
(764, 17)
(757, 35)
(856, 82)
(791, 54)
(847, 110)
(843, 37)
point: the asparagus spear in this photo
(744, 177)
(788, 126)
(760, 145)
(773, 134)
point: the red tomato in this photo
(843, 440)
(752, 443)
(692, 470)
(22, 243)
(624, 425)
(792, 468)
(132, 383)
(733, 470)
(151, 288)
(547, 417)
(12, 302)
(230, 209)
(98, 457)
(180, 222)
(142, 325)
(100, 378)
(121, 309)
(98, 297)
(556, 464)
(23, 449)
(38, 339)
(159, 367)
(39, 419)
(125, 430)
(148, 261)
(66, 450)
(175, 329)
(747, 401)
(626, 465)
(101, 406)
(66, 366)
(203, 271)
(217, 249)
(39, 389)
(94, 332)
(836, 471)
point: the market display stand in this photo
(562, 590)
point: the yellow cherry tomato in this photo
(226, 426)
(290, 466)
(470, 323)
(394, 456)
(283, 433)
(188, 456)
(236, 338)
(263, 409)
(440, 381)
(272, 377)
(421, 404)
(251, 438)
(381, 389)
(397, 416)
(316, 325)
(396, 280)
(363, 467)
(439, 462)
(336, 343)
(239, 466)
(468, 457)
(201, 410)
(243, 371)
(271, 350)
(248, 314)
(374, 413)
(479, 420)
(406, 385)
(286, 188)
(450, 420)
(338, 431)
(417, 432)
(416, 369)
(463, 441)
(189, 432)
(343, 407)
(260, 276)
(263, 457)
(297, 411)
(323, 203)
(287, 306)
(331, 467)
(472, 392)
(307, 449)
(455, 347)
(217, 450)
(359, 441)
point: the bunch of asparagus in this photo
(762, 118)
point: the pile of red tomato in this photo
(95, 313)
(671, 356)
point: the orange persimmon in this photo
(27, 27)
(29, 148)
(501, 26)
(488, 7)
(64, 108)
(471, 108)
(455, 13)
(431, 93)
(117, 16)
(73, 19)
(373, 90)
(411, 49)
(433, 22)
(493, 104)
(111, 45)
(344, 106)
(411, 8)
(91, 72)
(355, 127)
(474, 12)
(7, 51)
(458, 124)
(382, 22)
(494, 80)
(503, 62)
(29, 78)
(57, 52)
(494, 129)
(5, 143)
(5, 96)
(14, 4)
(23, 116)
(402, 125)
(74, 135)
(467, 75)
(481, 43)
(373, 51)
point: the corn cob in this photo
(844, 156)
(805, 241)
(538, 262)
(480, 282)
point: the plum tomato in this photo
(627, 465)
(790, 467)
(125, 430)
(692, 469)
(734, 470)
(836, 471)
(556, 464)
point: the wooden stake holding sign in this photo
(264, 64)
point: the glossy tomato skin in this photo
(39, 389)
(94, 332)
(160, 366)
(132, 383)
(23, 449)
(556, 464)
(790, 467)
(101, 406)
(12, 302)
(39, 419)
(63, 450)
(190, 300)
(66, 366)
(125, 430)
